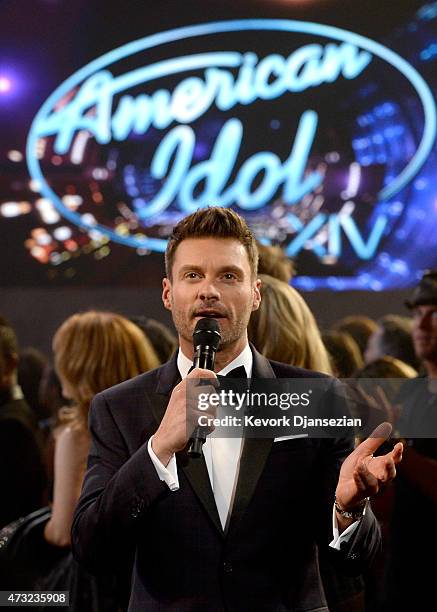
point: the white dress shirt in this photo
(222, 457)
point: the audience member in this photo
(31, 366)
(359, 327)
(92, 351)
(51, 400)
(274, 262)
(410, 574)
(162, 338)
(284, 329)
(22, 474)
(386, 367)
(393, 338)
(344, 353)
(389, 373)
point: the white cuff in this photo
(167, 474)
(344, 536)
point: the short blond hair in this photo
(284, 328)
(96, 350)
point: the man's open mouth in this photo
(212, 314)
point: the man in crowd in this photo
(410, 575)
(236, 529)
(22, 473)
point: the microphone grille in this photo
(207, 332)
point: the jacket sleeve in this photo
(117, 493)
(356, 554)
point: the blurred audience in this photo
(359, 327)
(31, 366)
(386, 367)
(162, 338)
(50, 396)
(274, 262)
(284, 328)
(381, 382)
(344, 353)
(392, 337)
(410, 574)
(51, 400)
(92, 351)
(22, 473)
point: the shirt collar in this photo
(245, 358)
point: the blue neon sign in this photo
(102, 106)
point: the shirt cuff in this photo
(344, 536)
(167, 474)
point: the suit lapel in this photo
(168, 378)
(254, 455)
(197, 473)
(194, 469)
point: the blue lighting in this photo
(48, 122)
(196, 163)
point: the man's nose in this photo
(208, 290)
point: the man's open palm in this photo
(362, 474)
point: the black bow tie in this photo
(239, 372)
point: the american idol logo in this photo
(236, 113)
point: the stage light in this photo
(14, 209)
(15, 156)
(62, 233)
(47, 211)
(72, 201)
(5, 84)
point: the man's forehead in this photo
(210, 251)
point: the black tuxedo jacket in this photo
(266, 560)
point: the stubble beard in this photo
(229, 333)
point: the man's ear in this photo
(256, 295)
(166, 293)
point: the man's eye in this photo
(229, 276)
(191, 275)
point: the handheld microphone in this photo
(206, 340)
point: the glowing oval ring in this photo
(283, 25)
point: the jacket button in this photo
(227, 567)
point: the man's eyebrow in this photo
(195, 268)
(231, 268)
(190, 267)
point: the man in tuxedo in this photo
(238, 528)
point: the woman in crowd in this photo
(92, 351)
(284, 328)
(344, 353)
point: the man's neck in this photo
(223, 356)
